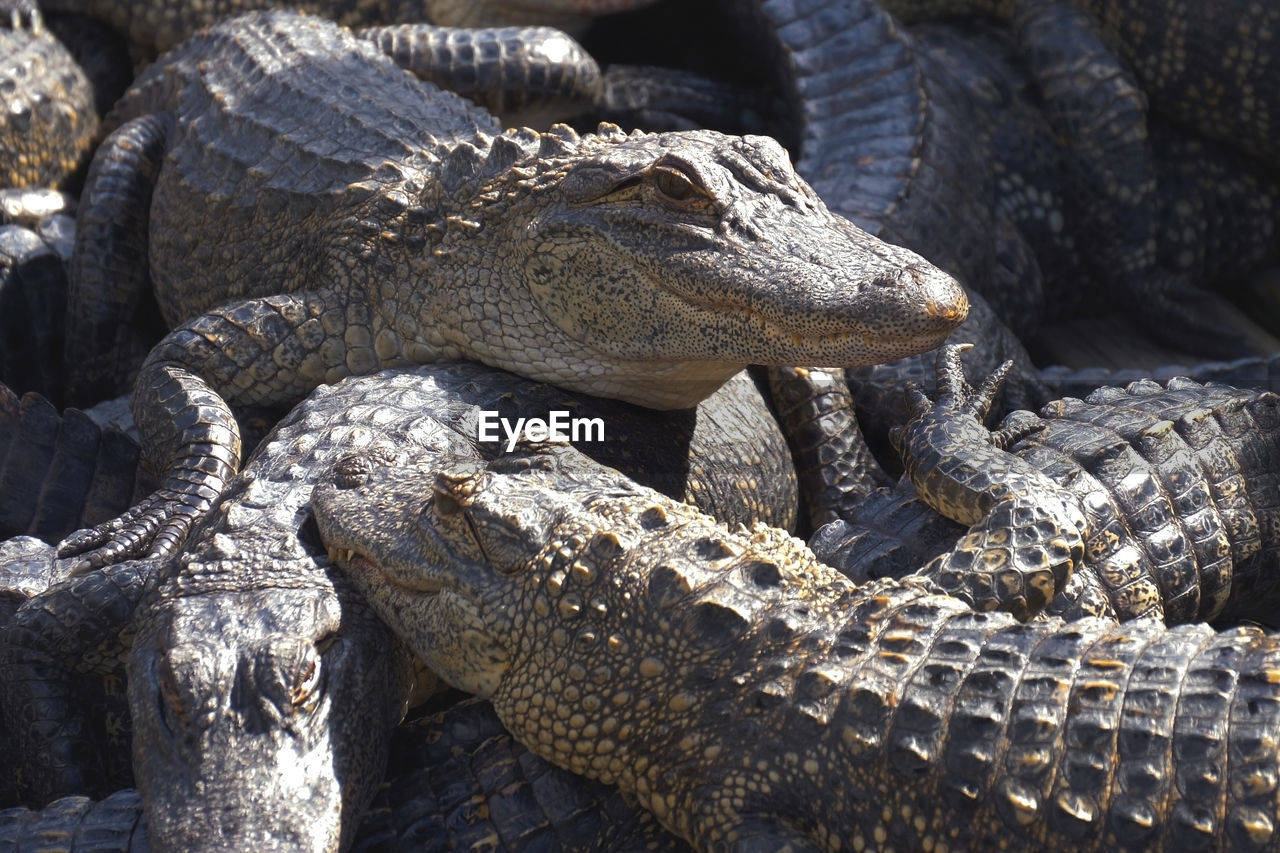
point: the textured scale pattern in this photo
(456, 779)
(384, 210)
(1172, 491)
(47, 118)
(750, 696)
(1210, 64)
(247, 653)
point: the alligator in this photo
(926, 177)
(455, 781)
(249, 653)
(734, 245)
(1158, 500)
(753, 698)
(1210, 65)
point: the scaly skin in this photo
(33, 291)
(752, 697)
(455, 779)
(62, 471)
(47, 117)
(249, 655)
(1211, 64)
(159, 27)
(1153, 501)
(649, 268)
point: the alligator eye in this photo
(305, 683)
(675, 184)
(171, 701)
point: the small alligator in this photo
(456, 780)
(249, 653)
(755, 699)
(649, 268)
(1156, 500)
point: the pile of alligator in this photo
(625, 425)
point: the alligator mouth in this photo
(940, 321)
(359, 566)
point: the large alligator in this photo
(755, 699)
(649, 268)
(250, 654)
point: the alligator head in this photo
(260, 724)
(652, 267)
(565, 593)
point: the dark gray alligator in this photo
(456, 780)
(644, 267)
(908, 154)
(755, 699)
(1156, 500)
(1212, 65)
(250, 657)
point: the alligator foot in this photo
(1026, 532)
(156, 527)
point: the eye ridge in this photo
(675, 184)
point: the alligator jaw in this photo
(358, 565)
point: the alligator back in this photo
(284, 124)
(1181, 486)
(752, 697)
(1176, 483)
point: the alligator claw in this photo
(156, 527)
(956, 398)
(22, 15)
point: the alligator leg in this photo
(73, 628)
(109, 271)
(1093, 101)
(1026, 532)
(266, 350)
(835, 467)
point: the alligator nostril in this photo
(943, 296)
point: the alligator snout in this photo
(940, 294)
